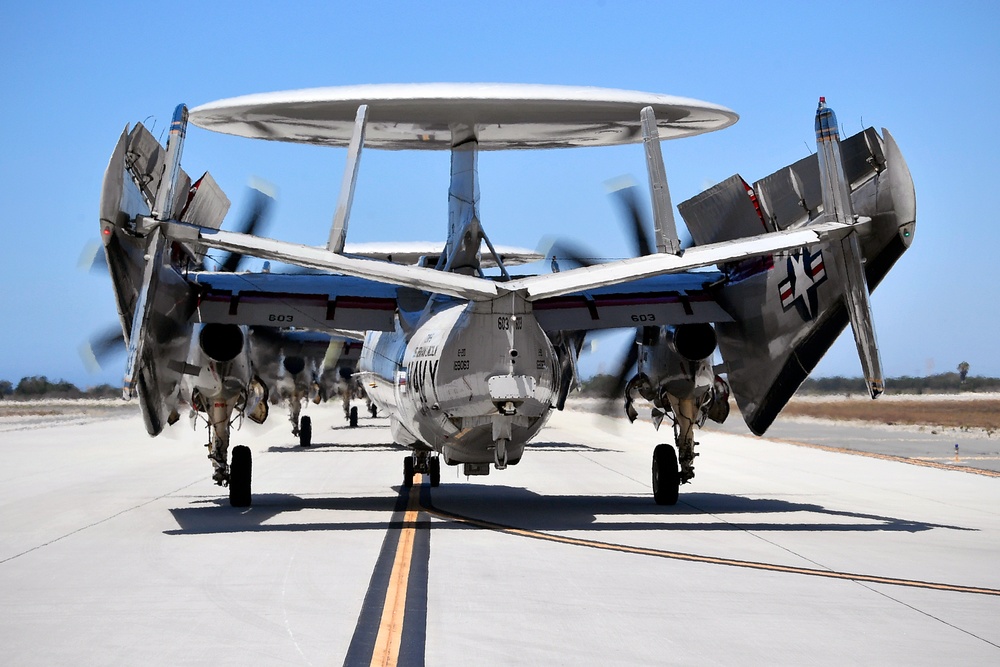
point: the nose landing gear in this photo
(423, 463)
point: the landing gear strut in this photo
(686, 415)
(237, 474)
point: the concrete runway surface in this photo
(117, 549)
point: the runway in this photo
(115, 547)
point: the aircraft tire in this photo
(305, 432)
(240, 472)
(435, 465)
(408, 471)
(666, 476)
(373, 409)
(353, 419)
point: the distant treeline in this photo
(942, 383)
(39, 386)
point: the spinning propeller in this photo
(257, 218)
(570, 254)
(110, 342)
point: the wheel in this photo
(353, 419)
(666, 476)
(239, 477)
(373, 409)
(435, 465)
(408, 471)
(305, 432)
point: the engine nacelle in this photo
(674, 361)
(294, 365)
(694, 342)
(221, 342)
(676, 373)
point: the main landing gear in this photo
(666, 476)
(240, 472)
(423, 463)
(305, 431)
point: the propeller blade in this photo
(93, 259)
(570, 255)
(625, 370)
(636, 224)
(101, 347)
(260, 204)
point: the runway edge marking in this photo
(712, 560)
(889, 457)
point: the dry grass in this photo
(980, 414)
(19, 411)
(61, 407)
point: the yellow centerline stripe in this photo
(892, 457)
(674, 555)
(390, 629)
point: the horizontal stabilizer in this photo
(657, 264)
(429, 280)
(411, 252)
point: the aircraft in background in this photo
(467, 366)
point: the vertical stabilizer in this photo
(663, 210)
(338, 231)
(464, 233)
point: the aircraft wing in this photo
(327, 303)
(669, 299)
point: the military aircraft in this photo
(466, 366)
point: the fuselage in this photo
(434, 380)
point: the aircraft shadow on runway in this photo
(525, 509)
(347, 427)
(565, 447)
(339, 447)
(214, 515)
(521, 508)
(393, 447)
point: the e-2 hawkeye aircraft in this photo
(466, 366)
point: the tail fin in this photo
(790, 308)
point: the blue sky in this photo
(72, 77)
